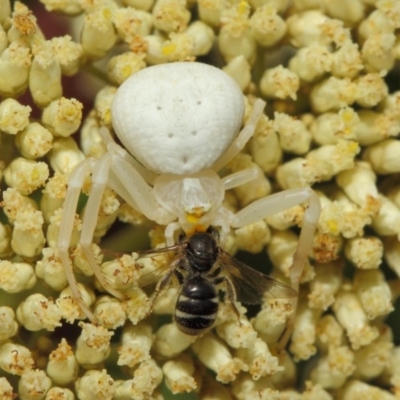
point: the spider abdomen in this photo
(197, 306)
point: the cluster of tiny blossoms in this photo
(332, 120)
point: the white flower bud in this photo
(330, 333)
(28, 237)
(26, 175)
(178, 374)
(387, 221)
(146, 378)
(14, 202)
(136, 344)
(57, 393)
(6, 390)
(239, 69)
(5, 12)
(311, 63)
(373, 292)
(156, 53)
(145, 5)
(16, 277)
(267, 26)
(245, 387)
(359, 184)
(350, 12)
(371, 360)
(91, 142)
(334, 368)
(364, 252)
(377, 52)
(329, 160)
(235, 37)
(37, 312)
(64, 155)
(259, 359)
(62, 367)
(270, 322)
(69, 7)
(33, 385)
(383, 156)
(109, 312)
(171, 15)
(357, 389)
(102, 104)
(51, 270)
(15, 359)
(329, 128)
(137, 306)
(327, 281)
(265, 147)
(294, 136)
(3, 33)
(280, 82)
(370, 90)
(53, 195)
(214, 354)
(63, 117)
(93, 344)
(14, 117)
(5, 241)
(304, 28)
(202, 37)
(170, 341)
(344, 216)
(122, 66)
(376, 23)
(332, 93)
(95, 385)
(68, 53)
(45, 76)
(98, 35)
(15, 63)
(34, 141)
(352, 317)
(281, 249)
(69, 309)
(131, 22)
(253, 237)
(304, 334)
(8, 323)
(346, 61)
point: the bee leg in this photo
(231, 293)
(161, 285)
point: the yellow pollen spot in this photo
(333, 226)
(168, 49)
(243, 8)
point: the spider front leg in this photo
(243, 137)
(274, 204)
(99, 169)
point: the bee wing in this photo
(150, 274)
(251, 286)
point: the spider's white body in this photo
(178, 118)
(176, 182)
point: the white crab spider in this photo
(180, 123)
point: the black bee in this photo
(199, 266)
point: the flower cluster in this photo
(326, 69)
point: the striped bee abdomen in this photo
(197, 306)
